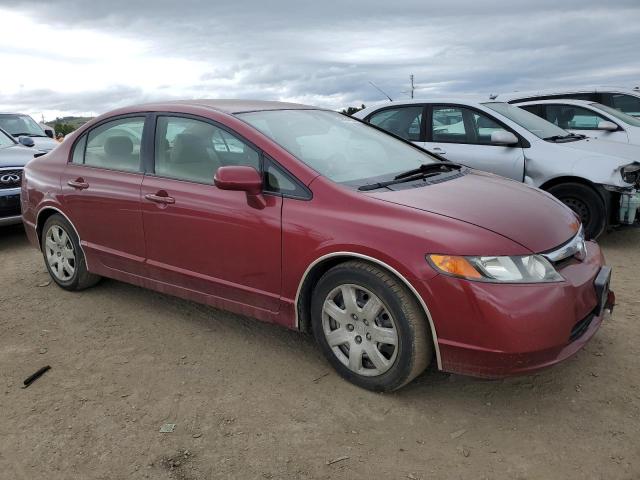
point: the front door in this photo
(214, 242)
(101, 194)
(463, 135)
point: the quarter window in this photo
(78, 150)
(193, 150)
(115, 145)
(404, 122)
(573, 117)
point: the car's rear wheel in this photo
(63, 256)
(370, 327)
(586, 202)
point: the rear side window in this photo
(404, 122)
(114, 145)
(573, 117)
(193, 150)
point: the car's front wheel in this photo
(63, 256)
(586, 202)
(370, 327)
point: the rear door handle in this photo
(78, 183)
(165, 199)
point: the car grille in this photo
(579, 328)
(10, 178)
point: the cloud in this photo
(85, 56)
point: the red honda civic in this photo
(391, 257)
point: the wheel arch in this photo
(324, 263)
(41, 218)
(604, 194)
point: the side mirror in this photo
(26, 141)
(239, 178)
(49, 133)
(608, 126)
(502, 137)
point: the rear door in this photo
(200, 238)
(101, 193)
(462, 134)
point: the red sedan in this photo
(316, 221)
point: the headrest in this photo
(118, 146)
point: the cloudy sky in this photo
(86, 57)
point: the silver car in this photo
(588, 118)
(599, 180)
(26, 131)
(13, 158)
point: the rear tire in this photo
(587, 204)
(63, 256)
(370, 326)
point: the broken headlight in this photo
(631, 173)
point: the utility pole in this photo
(412, 86)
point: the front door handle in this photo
(156, 198)
(78, 183)
(439, 151)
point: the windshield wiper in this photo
(424, 170)
(554, 138)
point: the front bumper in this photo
(10, 207)
(497, 330)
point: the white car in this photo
(627, 100)
(598, 179)
(589, 118)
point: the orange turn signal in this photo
(458, 266)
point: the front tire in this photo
(587, 203)
(63, 256)
(370, 327)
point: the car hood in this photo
(45, 144)
(16, 156)
(525, 215)
(624, 151)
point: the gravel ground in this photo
(251, 400)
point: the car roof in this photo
(563, 101)
(471, 100)
(505, 97)
(231, 106)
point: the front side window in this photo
(462, 125)
(404, 122)
(628, 119)
(193, 150)
(336, 146)
(115, 145)
(573, 117)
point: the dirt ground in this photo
(251, 400)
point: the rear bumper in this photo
(492, 330)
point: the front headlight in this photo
(516, 269)
(631, 173)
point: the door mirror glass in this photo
(607, 125)
(26, 141)
(239, 178)
(502, 137)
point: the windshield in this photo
(628, 119)
(341, 148)
(536, 125)
(20, 125)
(6, 140)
